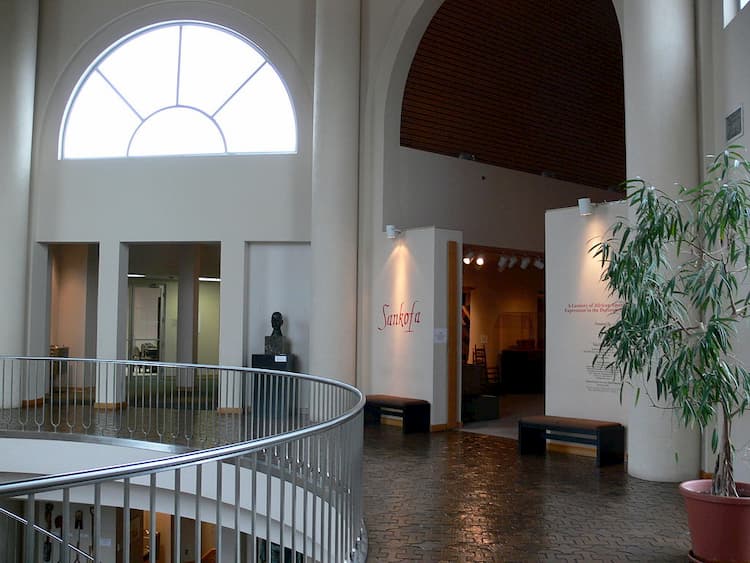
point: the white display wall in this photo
(577, 308)
(279, 280)
(410, 319)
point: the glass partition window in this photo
(181, 88)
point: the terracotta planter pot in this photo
(719, 526)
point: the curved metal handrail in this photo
(307, 458)
(179, 461)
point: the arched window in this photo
(179, 88)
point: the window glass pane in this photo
(743, 3)
(157, 92)
(214, 64)
(99, 124)
(144, 69)
(260, 117)
(177, 131)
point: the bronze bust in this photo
(276, 343)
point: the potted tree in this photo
(680, 266)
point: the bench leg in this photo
(372, 414)
(611, 446)
(416, 418)
(532, 440)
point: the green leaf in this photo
(714, 440)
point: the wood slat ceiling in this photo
(531, 85)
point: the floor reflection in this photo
(460, 496)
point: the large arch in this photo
(530, 86)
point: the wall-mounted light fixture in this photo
(525, 261)
(584, 206)
(539, 264)
(512, 261)
(502, 263)
(468, 257)
(480, 261)
(391, 231)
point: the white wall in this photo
(441, 328)
(402, 353)
(492, 206)
(279, 280)
(169, 199)
(225, 200)
(68, 298)
(208, 323)
(411, 283)
(18, 38)
(577, 307)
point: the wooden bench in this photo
(415, 413)
(608, 437)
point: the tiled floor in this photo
(467, 497)
(511, 408)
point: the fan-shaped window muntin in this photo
(179, 88)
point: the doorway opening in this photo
(503, 345)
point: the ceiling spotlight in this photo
(512, 262)
(525, 261)
(539, 264)
(584, 206)
(468, 257)
(391, 231)
(502, 263)
(480, 260)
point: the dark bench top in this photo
(567, 422)
(394, 402)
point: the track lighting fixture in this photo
(468, 257)
(584, 206)
(391, 231)
(525, 261)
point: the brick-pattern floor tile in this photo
(463, 497)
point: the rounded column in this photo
(335, 172)
(661, 140)
(18, 43)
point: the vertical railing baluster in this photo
(268, 503)
(96, 533)
(306, 475)
(254, 508)
(64, 546)
(125, 539)
(282, 496)
(29, 546)
(329, 486)
(237, 502)
(295, 465)
(219, 482)
(315, 492)
(152, 519)
(198, 494)
(177, 534)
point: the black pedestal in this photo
(274, 396)
(280, 362)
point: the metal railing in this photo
(270, 469)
